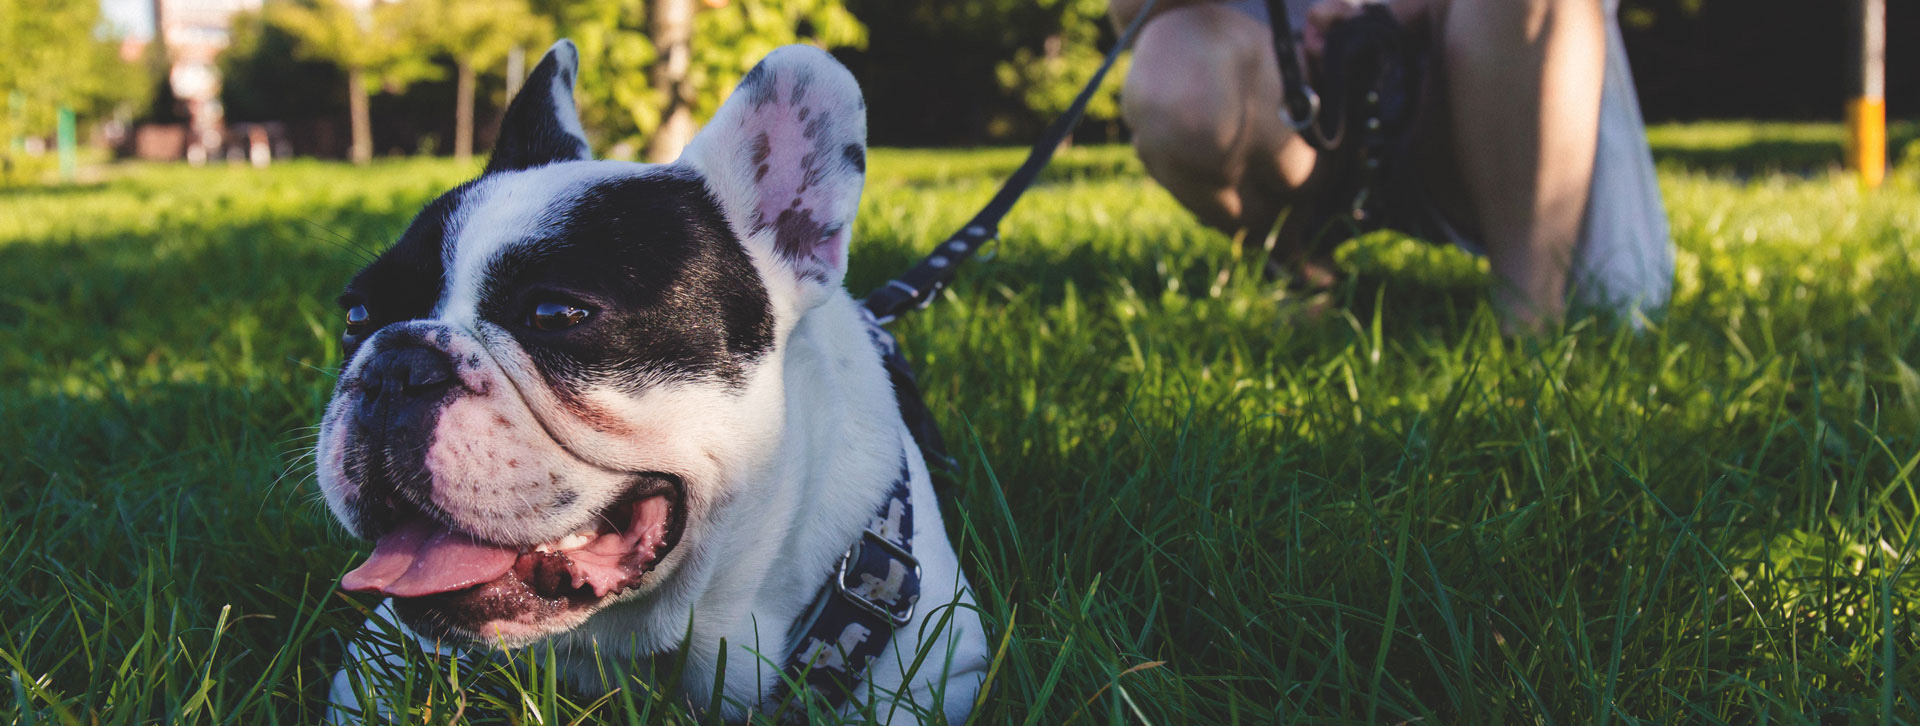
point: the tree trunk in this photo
(463, 113)
(673, 36)
(362, 150)
(516, 71)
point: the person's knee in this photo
(1174, 126)
(1505, 14)
(1492, 26)
(1186, 96)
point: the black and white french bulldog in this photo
(602, 405)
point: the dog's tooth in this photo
(573, 542)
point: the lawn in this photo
(1183, 497)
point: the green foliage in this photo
(373, 40)
(729, 40)
(613, 92)
(616, 95)
(262, 80)
(1048, 77)
(1184, 496)
(972, 71)
(52, 59)
(477, 32)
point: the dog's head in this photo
(556, 373)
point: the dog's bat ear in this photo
(787, 155)
(542, 126)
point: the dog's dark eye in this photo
(554, 316)
(357, 319)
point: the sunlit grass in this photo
(1183, 497)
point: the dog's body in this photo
(605, 405)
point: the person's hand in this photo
(1326, 13)
(1320, 20)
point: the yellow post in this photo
(1867, 109)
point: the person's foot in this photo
(1317, 274)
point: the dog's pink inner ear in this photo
(798, 191)
(794, 134)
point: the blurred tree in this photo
(475, 34)
(614, 47)
(54, 57)
(728, 39)
(1046, 78)
(368, 44)
(617, 39)
(1771, 59)
(262, 80)
(974, 71)
(162, 105)
(672, 26)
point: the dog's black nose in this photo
(412, 370)
(403, 378)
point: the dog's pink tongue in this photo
(423, 557)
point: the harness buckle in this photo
(933, 291)
(898, 615)
(894, 307)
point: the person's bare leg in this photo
(1523, 82)
(1203, 100)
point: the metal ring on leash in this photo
(1301, 125)
(989, 249)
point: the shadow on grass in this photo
(157, 511)
(160, 389)
(1747, 150)
(53, 190)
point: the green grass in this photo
(1183, 499)
(1751, 148)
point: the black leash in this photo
(1302, 105)
(916, 288)
(919, 285)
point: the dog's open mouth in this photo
(423, 558)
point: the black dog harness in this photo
(876, 585)
(874, 589)
(853, 616)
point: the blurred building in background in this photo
(193, 34)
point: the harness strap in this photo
(877, 584)
(906, 393)
(871, 592)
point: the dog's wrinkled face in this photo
(565, 367)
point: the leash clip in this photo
(899, 617)
(1301, 125)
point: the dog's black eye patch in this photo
(405, 281)
(673, 295)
